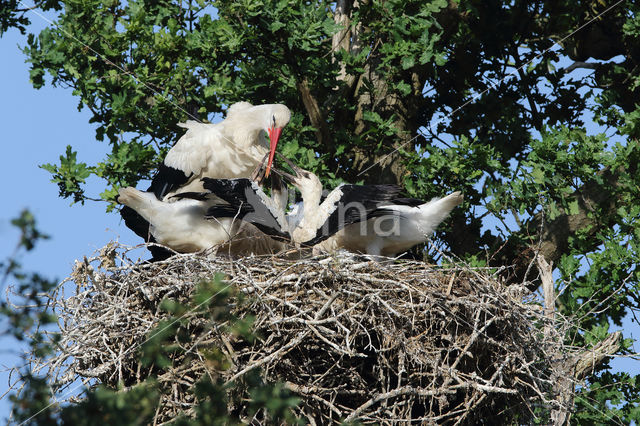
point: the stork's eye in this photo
(273, 119)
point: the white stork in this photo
(393, 226)
(194, 221)
(408, 225)
(181, 224)
(230, 148)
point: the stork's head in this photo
(307, 183)
(278, 116)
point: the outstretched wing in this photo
(349, 204)
(247, 202)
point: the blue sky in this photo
(37, 126)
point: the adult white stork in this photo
(228, 149)
(393, 226)
(181, 224)
(194, 221)
(410, 223)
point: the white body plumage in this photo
(180, 225)
(231, 148)
(389, 235)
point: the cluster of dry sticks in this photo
(356, 339)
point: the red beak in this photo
(274, 135)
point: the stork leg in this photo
(374, 248)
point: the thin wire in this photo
(494, 84)
(108, 62)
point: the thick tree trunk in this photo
(386, 166)
(316, 116)
(342, 39)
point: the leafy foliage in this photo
(210, 302)
(24, 323)
(14, 13)
(24, 318)
(69, 175)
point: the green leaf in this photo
(538, 175)
(574, 209)
(408, 62)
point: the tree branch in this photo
(576, 369)
(341, 39)
(593, 199)
(535, 115)
(579, 64)
(568, 372)
(316, 116)
(546, 276)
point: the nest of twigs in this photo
(355, 339)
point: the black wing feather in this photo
(199, 196)
(358, 203)
(411, 202)
(323, 235)
(233, 191)
(245, 204)
(166, 180)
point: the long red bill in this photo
(274, 135)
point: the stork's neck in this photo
(247, 137)
(260, 136)
(280, 198)
(311, 196)
(312, 217)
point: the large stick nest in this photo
(354, 338)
